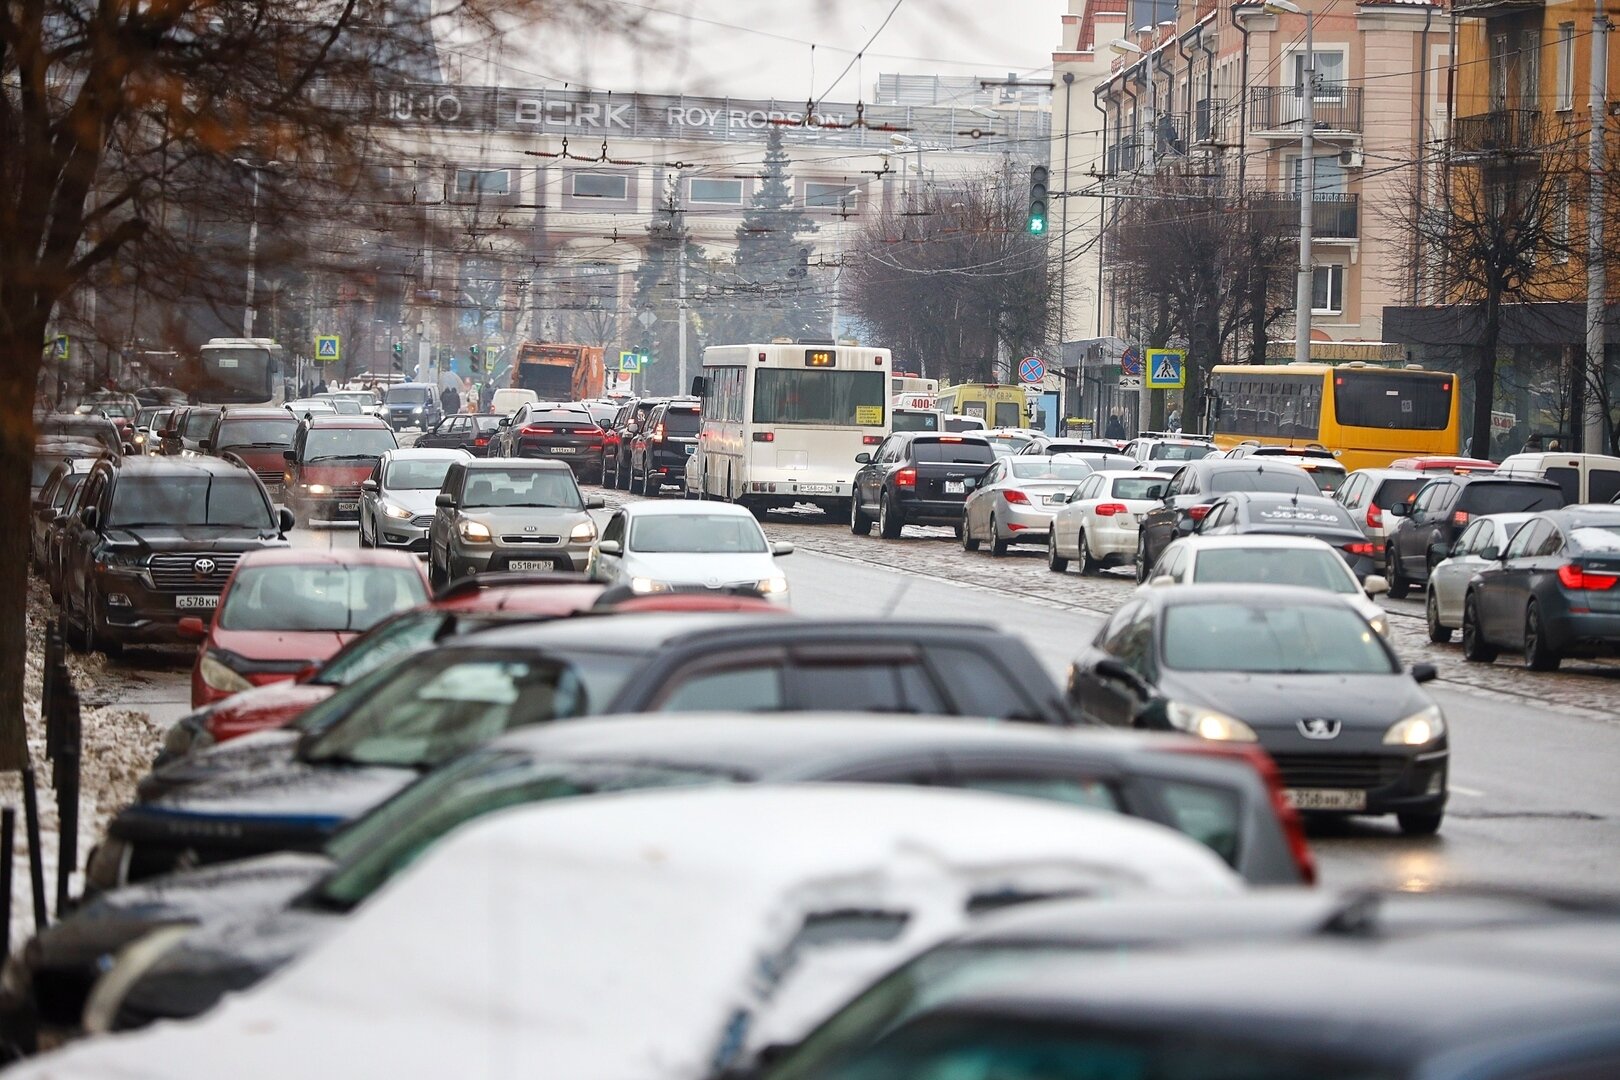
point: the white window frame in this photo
(1332, 89)
(692, 189)
(1566, 66)
(1561, 220)
(1333, 271)
(624, 185)
(840, 192)
(477, 188)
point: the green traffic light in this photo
(1037, 225)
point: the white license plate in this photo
(346, 507)
(562, 449)
(531, 564)
(1326, 799)
(816, 489)
(191, 603)
(955, 487)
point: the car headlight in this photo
(1208, 723)
(1419, 729)
(122, 560)
(217, 675)
(473, 532)
(1380, 625)
(648, 585)
(772, 586)
(318, 489)
(584, 532)
(397, 512)
(417, 409)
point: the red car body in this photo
(330, 491)
(265, 656)
(266, 461)
(493, 595)
(1460, 466)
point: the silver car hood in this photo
(519, 519)
(417, 500)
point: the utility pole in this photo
(1307, 195)
(1593, 429)
(682, 383)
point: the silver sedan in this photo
(1015, 501)
(397, 502)
(1479, 546)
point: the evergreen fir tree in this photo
(657, 282)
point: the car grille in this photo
(346, 492)
(1339, 770)
(271, 476)
(176, 573)
(529, 538)
(423, 522)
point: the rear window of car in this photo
(1180, 452)
(1397, 491)
(1591, 537)
(1312, 569)
(1038, 469)
(681, 422)
(940, 452)
(1307, 519)
(1506, 497)
(294, 598)
(1139, 487)
(914, 420)
(1290, 481)
(561, 418)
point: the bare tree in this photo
(950, 278)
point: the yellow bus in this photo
(1366, 414)
(998, 406)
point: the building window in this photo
(1327, 289)
(483, 182)
(1329, 72)
(1329, 179)
(600, 186)
(722, 192)
(1559, 228)
(1566, 66)
(829, 196)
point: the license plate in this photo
(192, 603)
(955, 487)
(562, 449)
(1326, 799)
(345, 507)
(530, 564)
(691, 449)
(816, 489)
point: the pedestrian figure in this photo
(1116, 426)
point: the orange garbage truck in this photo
(559, 372)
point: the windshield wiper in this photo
(343, 457)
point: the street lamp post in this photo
(248, 312)
(1307, 178)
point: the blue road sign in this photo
(1130, 361)
(328, 348)
(629, 363)
(1031, 369)
(1166, 369)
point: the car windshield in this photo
(948, 451)
(1288, 480)
(1036, 469)
(448, 701)
(346, 599)
(227, 501)
(1138, 487)
(1268, 637)
(347, 444)
(1180, 451)
(696, 533)
(400, 635)
(364, 397)
(199, 422)
(552, 488)
(278, 433)
(385, 841)
(1312, 568)
(407, 395)
(410, 474)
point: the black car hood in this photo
(1274, 704)
(213, 960)
(190, 537)
(249, 754)
(234, 890)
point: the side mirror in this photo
(289, 455)
(1399, 510)
(1425, 673)
(595, 502)
(506, 421)
(1375, 585)
(863, 459)
(90, 517)
(369, 486)
(1115, 670)
(205, 445)
(781, 547)
(1161, 580)
(446, 500)
(285, 521)
(700, 386)
(192, 627)
(609, 547)
(1491, 553)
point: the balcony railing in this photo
(1334, 215)
(1505, 131)
(1281, 108)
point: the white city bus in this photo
(238, 371)
(782, 422)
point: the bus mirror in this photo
(700, 386)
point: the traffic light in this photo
(476, 355)
(1036, 223)
(399, 356)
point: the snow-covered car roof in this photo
(627, 936)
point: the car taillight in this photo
(1572, 576)
(1013, 495)
(537, 431)
(764, 436)
(1459, 518)
(1198, 512)
(906, 478)
(1110, 509)
(1361, 547)
(480, 441)
(1375, 516)
(1293, 826)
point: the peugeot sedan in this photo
(506, 514)
(688, 547)
(397, 501)
(1298, 671)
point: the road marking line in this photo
(1460, 790)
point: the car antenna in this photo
(895, 598)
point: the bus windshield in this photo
(236, 375)
(842, 398)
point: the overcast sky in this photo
(761, 48)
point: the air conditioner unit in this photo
(1351, 158)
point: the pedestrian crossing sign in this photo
(1166, 369)
(328, 348)
(629, 363)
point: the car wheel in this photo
(1141, 559)
(365, 541)
(1538, 653)
(890, 520)
(1437, 633)
(1054, 561)
(83, 637)
(969, 543)
(1474, 646)
(1089, 566)
(998, 546)
(859, 523)
(1420, 824)
(1398, 585)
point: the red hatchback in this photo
(331, 457)
(286, 611)
(258, 437)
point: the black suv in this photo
(154, 541)
(1196, 486)
(916, 478)
(659, 453)
(1431, 522)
